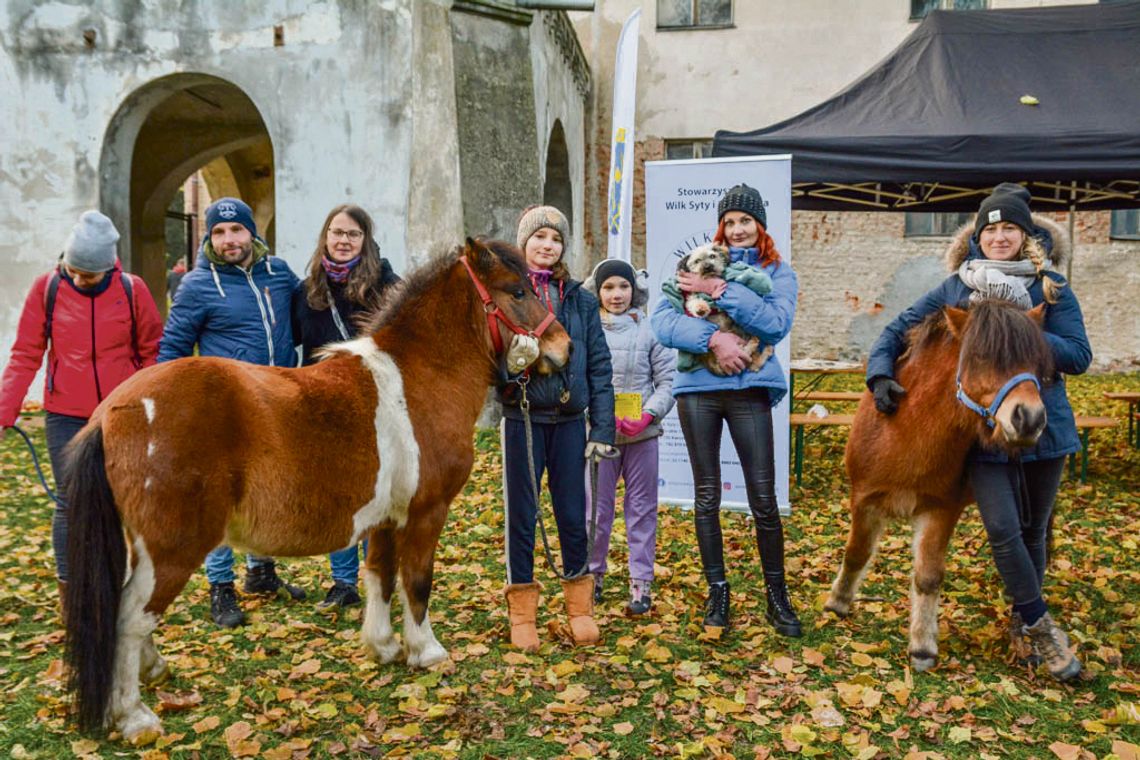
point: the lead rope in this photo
(36, 463)
(524, 405)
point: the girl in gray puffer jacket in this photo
(643, 388)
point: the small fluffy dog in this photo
(711, 261)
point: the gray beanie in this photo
(537, 217)
(91, 246)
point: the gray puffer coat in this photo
(641, 364)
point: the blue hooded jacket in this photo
(768, 317)
(1064, 331)
(233, 313)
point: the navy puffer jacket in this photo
(1064, 331)
(588, 378)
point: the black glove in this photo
(887, 394)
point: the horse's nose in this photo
(1028, 421)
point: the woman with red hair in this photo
(743, 398)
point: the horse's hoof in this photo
(921, 662)
(430, 655)
(388, 650)
(839, 608)
(155, 674)
(142, 727)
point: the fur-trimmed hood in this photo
(1052, 236)
(640, 298)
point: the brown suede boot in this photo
(522, 606)
(579, 595)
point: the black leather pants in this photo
(749, 417)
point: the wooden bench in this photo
(798, 422)
(1132, 398)
(830, 396)
(1086, 423)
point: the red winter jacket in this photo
(91, 349)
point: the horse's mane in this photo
(1000, 334)
(423, 277)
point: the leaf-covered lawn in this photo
(296, 683)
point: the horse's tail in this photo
(97, 559)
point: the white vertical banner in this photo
(680, 214)
(619, 214)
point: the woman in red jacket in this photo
(98, 326)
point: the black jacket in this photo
(314, 329)
(588, 379)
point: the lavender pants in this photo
(638, 466)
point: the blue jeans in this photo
(220, 564)
(345, 564)
(59, 429)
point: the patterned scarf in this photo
(338, 272)
(1007, 280)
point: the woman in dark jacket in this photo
(559, 405)
(346, 278)
(1007, 253)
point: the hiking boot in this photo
(780, 613)
(263, 579)
(1053, 646)
(224, 608)
(1021, 648)
(716, 608)
(340, 595)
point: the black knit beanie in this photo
(1008, 202)
(614, 268)
(746, 199)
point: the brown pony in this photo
(912, 464)
(197, 452)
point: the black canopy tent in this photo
(942, 118)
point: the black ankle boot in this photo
(780, 613)
(263, 579)
(716, 609)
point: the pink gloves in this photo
(631, 428)
(694, 283)
(729, 351)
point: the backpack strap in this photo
(49, 310)
(128, 287)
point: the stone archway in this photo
(557, 189)
(161, 134)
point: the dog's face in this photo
(708, 261)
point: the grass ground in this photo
(296, 683)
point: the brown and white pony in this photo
(373, 442)
(911, 465)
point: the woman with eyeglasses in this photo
(346, 278)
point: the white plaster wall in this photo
(558, 99)
(336, 100)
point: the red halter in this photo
(494, 311)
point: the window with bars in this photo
(920, 8)
(677, 149)
(1125, 224)
(934, 223)
(693, 14)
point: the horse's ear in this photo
(476, 253)
(1037, 313)
(956, 319)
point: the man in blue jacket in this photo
(234, 304)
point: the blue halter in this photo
(987, 414)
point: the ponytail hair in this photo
(1032, 250)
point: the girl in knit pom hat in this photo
(743, 400)
(104, 327)
(1009, 253)
(347, 278)
(643, 379)
(559, 405)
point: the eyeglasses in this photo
(352, 235)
